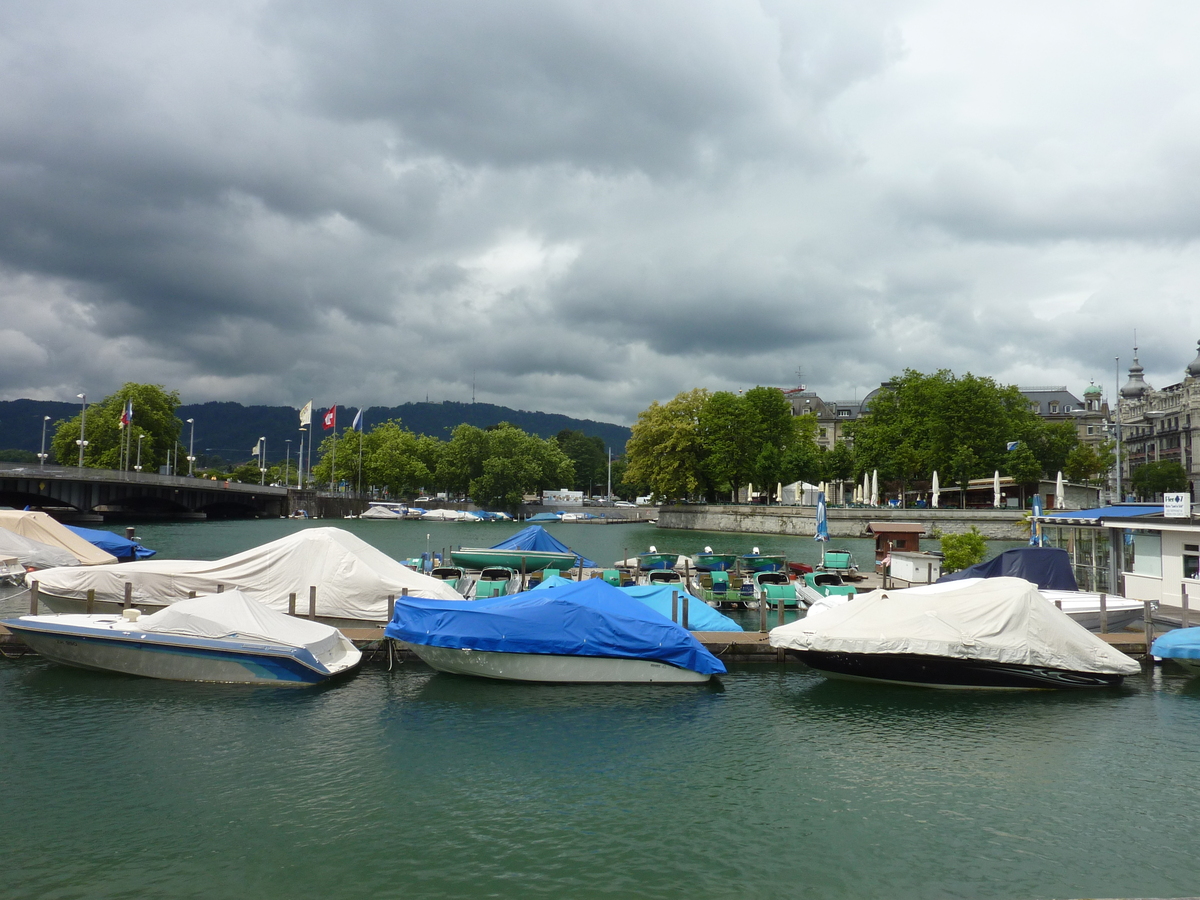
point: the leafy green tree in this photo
(963, 466)
(517, 464)
(1088, 461)
(841, 462)
(154, 420)
(589, 456)
(665, 452)
(18, 456)
(1022, 466)
(729, 435)
(959, 551)
(1163, 477)
(936, 415)
(462, 459)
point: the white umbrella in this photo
(1060, 493)
(866, 489)
(875, 488)
(996, 489)
(936, 489)
(779, 492)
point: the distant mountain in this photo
(230, 430)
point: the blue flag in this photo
(356, 425)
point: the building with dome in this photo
(1156, 425)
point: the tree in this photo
(729, 429)
(518, 463)
(154, 420)
(1156, 478)
(589, 456)
(936, 415)
(665, 452)
(963, 466)
(1087, 461)
(960, 551)
(1022, 466)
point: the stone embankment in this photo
(995, 524)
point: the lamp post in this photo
(262, 460)
(42, 455)
(82, 442)
(191, 447)
(287, 463)
(1117, 399)
(300, 467)
(138, 467)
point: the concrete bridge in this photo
(69, 492)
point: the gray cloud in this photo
(581, 207)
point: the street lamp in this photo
(300, 458)
(138, 467)
(191, 447)
(287, 464)
(82, 428)
(42, 455)
(262, 460)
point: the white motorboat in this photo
(227, 638)
(581, 632)
(994, 633)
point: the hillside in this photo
(230, 430)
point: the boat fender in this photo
(130, 615)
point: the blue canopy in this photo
(589, 618)
(120, 547)
(1182, 643)
(701, 616)
(535, 537)
(1047, 567)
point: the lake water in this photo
(771, 783)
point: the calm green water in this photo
(773, 783)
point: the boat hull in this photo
(944, 672)
(518, 560)
(715, 562)
(173, 659)
(543, 667)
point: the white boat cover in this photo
(40, 527)
(353, 579)
(232, 614)
(34, 554)
(999, 619)
(448, 515)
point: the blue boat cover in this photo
(1047, 567)
(118, 546)
(588, 618)
(701, 616)
(1182, 643)
(545, 517)
(552, 582)
(535, 537)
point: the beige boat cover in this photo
(999, 619)
(353, 579)
(40, 527)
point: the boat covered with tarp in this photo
(40, 527)
(994, 633)
(1181, 646)
(529, 550)
(353, 579)
(586, 632)
(118, 546)
(1047, 567)
(227, 638)
(33, 554)
(701, 616)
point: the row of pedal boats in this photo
(985, 633)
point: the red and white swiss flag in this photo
(331, 417)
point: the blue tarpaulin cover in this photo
(1183, 643)
(701, 616)
(118, 546)
(545, 517)
(535, 537)
(1049, 568)
(589, 618)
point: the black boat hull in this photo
(946, 672)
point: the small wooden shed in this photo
(889, 536)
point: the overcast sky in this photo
(583, 207)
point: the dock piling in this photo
(1185, 618)
(674, 606)
(312, 601)
(292, 603)
(391, 607)
(683, 613)
(128, 601)
(1103, 613)
(33, 598)
(91, 601)
(763, 603)
(1148, 623)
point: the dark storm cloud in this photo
(581, 207)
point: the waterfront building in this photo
(1157, 425)
(832, 415)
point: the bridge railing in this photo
(74, 473)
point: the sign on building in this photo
(1177, 506)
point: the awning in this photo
(1095, 516)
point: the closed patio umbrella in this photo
(936, 489)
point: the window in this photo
(1054, 408)
(1091, 429)
(1191, 561)
(1145, 554)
